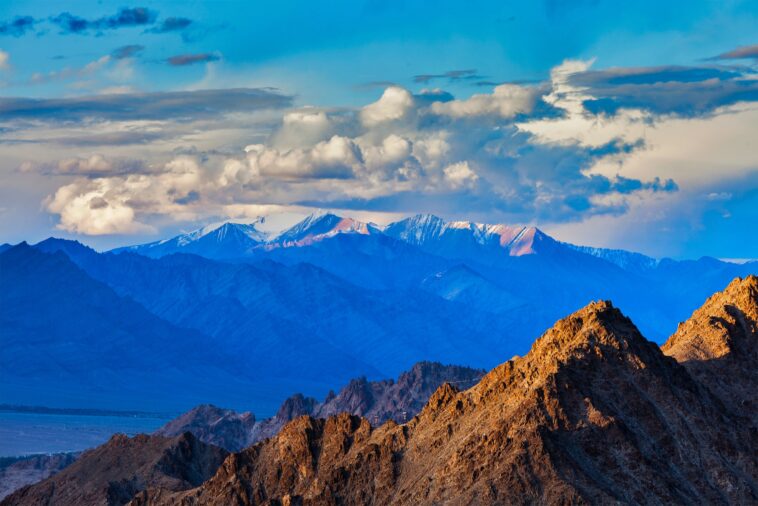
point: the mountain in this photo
(465, 238)
(717, 344)
(225, 241)
(520, 267)
(377, 400)
(71, 340)
(627, 260)
(333, 299)
(462, 284)
(593, 413)
(17, 472)
(318, 227)
(113, 473)
(224, 428)
(297, 327)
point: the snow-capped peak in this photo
(320, 226)
(454, 236)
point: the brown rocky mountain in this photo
(112, 473)
(376, 400)
(19, 472)
(221, 427)
(594, 413)
(718, 346)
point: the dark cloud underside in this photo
(134, 106)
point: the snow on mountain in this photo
(218, 241)
(625, 259)
(318, 227)
(457, 238)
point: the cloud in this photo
(460, 175)
(744, 52)
(394, 104)
(128, 51)
(18, 26)
(182, 60)
(71, 72)
(172, 24)
(337, 158)
(124, 18)
(5, 59)
(522, 153)
(686, 91)
(94, 166)
(450, 75)
(113, 205)
(141, 106)
(506, 101)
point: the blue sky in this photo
(612, 124)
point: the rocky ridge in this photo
(594, 413)
(113, 473)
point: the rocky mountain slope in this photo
(113, 473)
(17, 472)
(376, 400)
(224, 428)
(594, 413)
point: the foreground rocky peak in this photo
(718, 345)
(112, 473)
(594, 413)
(725, 325)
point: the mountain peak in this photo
(322, 225)
(717, 345)
(218, 241)
(726, 323)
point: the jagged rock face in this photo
(293, 407)
(221, 427)
(379, 401)
(594, 413)
(718, 345)
(113, 473)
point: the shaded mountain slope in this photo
(302, 318)
(112, 473)
(71, 340)
(594, 413)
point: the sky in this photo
(627, 125)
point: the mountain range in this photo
(233, 316)
(593, 413)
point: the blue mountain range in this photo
(232, 315)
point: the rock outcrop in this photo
(719, 346)
(594, 413)
(114, 472)
(378, 401)
(213, 425)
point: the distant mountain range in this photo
(594, 413)
(233, 316)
